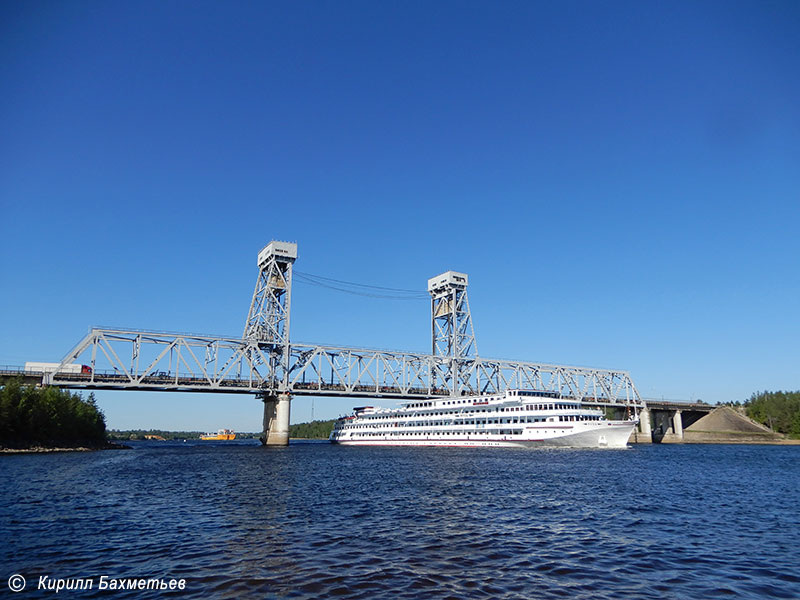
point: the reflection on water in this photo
(314, 520)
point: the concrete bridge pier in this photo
(667, 425)
(672, 427)
(677, 424)
(276, 420)
(644, 433)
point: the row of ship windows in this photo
(456, 402)
(509, 409)
(497, 398)
(444, 433)
(561, 418)
(444, 423)
(449, 402)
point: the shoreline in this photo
(789, 442)
(116, 446)
(50, 449)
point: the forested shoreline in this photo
(48, 417)
(315, 430)
(780, 411)
(123, 435)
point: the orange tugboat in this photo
(221, 435)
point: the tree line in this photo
(166, 434)
(48, 416)
(315, 430)
(141, 434)
(779, 411)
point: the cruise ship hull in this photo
(514, 419)
(614, 434)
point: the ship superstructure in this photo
(521, 418)
(222, 435)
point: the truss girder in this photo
(151, 360)
(125, 359)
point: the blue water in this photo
(317, 521)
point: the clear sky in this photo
(620, 180)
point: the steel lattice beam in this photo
(146, 360)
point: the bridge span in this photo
(664, 422)
(264, 362)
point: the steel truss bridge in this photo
(160, 361)
(265, 362)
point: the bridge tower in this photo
(268, 326)
(453, 337)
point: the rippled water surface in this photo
(319, 521)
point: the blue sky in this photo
(620, 180)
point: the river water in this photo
(236, 520)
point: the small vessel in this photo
(221, 435)
(516, 418)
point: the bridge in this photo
(266, 363)
(663, 421)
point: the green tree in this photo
(319, 430)
(778, 410)
(48, 416)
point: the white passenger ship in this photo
(518, 418)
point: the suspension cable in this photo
(360, 289)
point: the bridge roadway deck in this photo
(654, 404)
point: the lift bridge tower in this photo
(264, 362)
(452, 332)
(268, 327)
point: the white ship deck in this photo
(518, 418)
